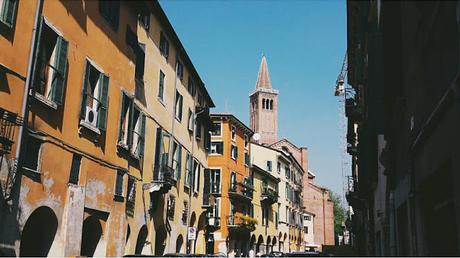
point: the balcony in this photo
(352, 109)
(269, 195)
(163, 180)
(241, 222)
(241, 191)
(8, 121)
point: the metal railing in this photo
(8, 122)
(241, 189)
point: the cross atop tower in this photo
(263, 107)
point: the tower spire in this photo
(263, 79)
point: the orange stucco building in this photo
(89, 165)
(231, 184)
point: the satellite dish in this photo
(256, 137)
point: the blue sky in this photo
(304, 42)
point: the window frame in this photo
(234, 154)
(217, 153)
(161, 86)
(233, 132)
(179, 100)
(75, 168)
(119, 181)
(10, 23)
(164, 47)
(213, 134)
(108, 15)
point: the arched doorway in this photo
(179, 242)
(160, 241)
(128, 233)
(260, 243)
(269, 243)
(252, 243)
(274, 244)
(191, 244)
(91, 234)
(141, 239)
(39, 232)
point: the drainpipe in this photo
(27, 86)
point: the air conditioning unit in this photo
(91, 116)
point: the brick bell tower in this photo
(263, 107)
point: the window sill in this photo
(215, 154)
(90, 127)
(118, 198)
(216, 136)
(162, 102)
(178, 119)
(45, 101)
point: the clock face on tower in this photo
(263, 107)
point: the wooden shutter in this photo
(179, 161)
(142, 141)
(122, 108)
(37, 61)
(104, 100)
(8, 12)
(84, 90)
(156, 168)
(59, 80)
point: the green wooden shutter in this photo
(37, 61)
(104, 99)
(59, 80)
(84, 90)
(159, 143)
(8, 12)
(130, 122)
(179, 162)
(141, 143)
(122, 109)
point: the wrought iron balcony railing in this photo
(269, 195)
(241, 190)
(8, 122)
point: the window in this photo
(161, 86)
(276, 220)
(278, 167)
(140, 62)
(287, 171)
(265, 216)
(131, 135)
(144, 19)
(234, 152)
(110, 10)
(171, 205)
(196, 174)
(217, 126)
(191, 87)
(246, 141)
(190, 120)
(75, 169)
(307, 217)
(215, 180)
(269, 165)
(138, 132)
(246, 158)
(233, 181)
(306, 229)
(180, 70)
(178, 107)
(164, 45)
(8, 12)
(188, 170)
(198, 129)
(233, 133)
(94, 100)
(118, 196)
(131, 192)
(162, 149)
(177, 160)
(217, 148)
(50, 67)
(216, 209)
(31, 160)
(130, 196)
(185, 213)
